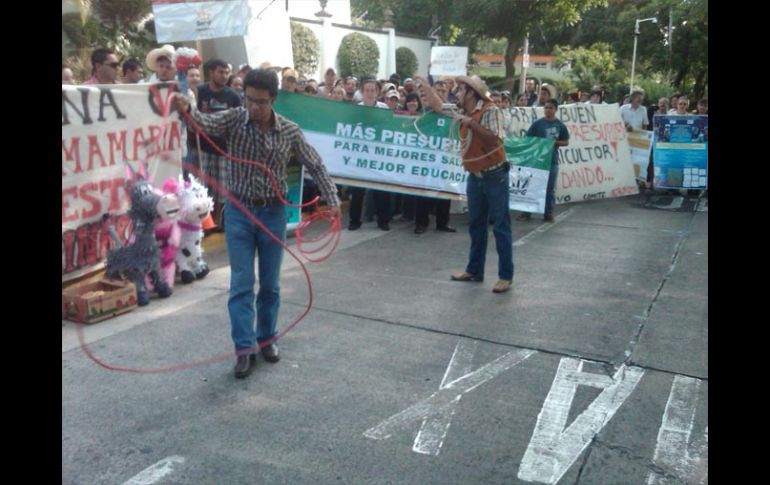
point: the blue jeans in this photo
(488, 199)
(244, 241)
(550, 190)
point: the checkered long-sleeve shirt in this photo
(274, 149)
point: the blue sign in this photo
(680, 151)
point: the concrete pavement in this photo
(594, 369)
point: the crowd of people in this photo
(235, 109)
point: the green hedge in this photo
(406, 62)
(306, 49)
(358, 56)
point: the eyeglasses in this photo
(260, 101)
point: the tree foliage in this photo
(108, 23)
(358, 56)
(306, 49)
(590, 65)
(406, 62)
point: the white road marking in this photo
(687, 462)
(542, 228)
(434, 428)
(155, 472)
(552, 450)
(703, 205)
(436, 411)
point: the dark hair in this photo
(330, 70)
(192, 66)
(98, 56)
(230, 80)
(213, 64)
(636, 93)
(703, 102)
(262, 79)
(310, 89)
(131, 65)
(368, 80)
(440, 83)
(524, 95)
(412, 97)
(553, 102)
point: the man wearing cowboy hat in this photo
(481, 140)
(546, 92)
(161, 61)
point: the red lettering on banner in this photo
(93, 194)
(88, 244)
(96, 205)
(608, 132)
(174, 135)
(139, 140)
(73, 191)
(73, 153)
(114, 185)
(625, 190)
(117, 142)
(93, 149)
(581, 177)
(155, 137)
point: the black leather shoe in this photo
(270, 353)
(419, 229)
(446, 229)
(243, 365)
(353, 226)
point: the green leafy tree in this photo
(668, 61)
(406, 62)
(513, 19)
(590, 65)
(306, 48)
(116, 24)
(358, 56)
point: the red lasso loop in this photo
(332, 234)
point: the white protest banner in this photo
(597, 162)
(448, 61)
(104, 126)
(640, 142)
(178, 20)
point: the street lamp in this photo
(636, 37)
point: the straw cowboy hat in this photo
(551, 90)
(475, 83)
(167, 51)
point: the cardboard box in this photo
(93, 302)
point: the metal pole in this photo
(525, 54)
(633, 61)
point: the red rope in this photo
(331, 235)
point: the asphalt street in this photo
(593, 370)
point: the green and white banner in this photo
(375, 148)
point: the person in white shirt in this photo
(370, 88)
(634, 114)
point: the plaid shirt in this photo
(274, 149)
